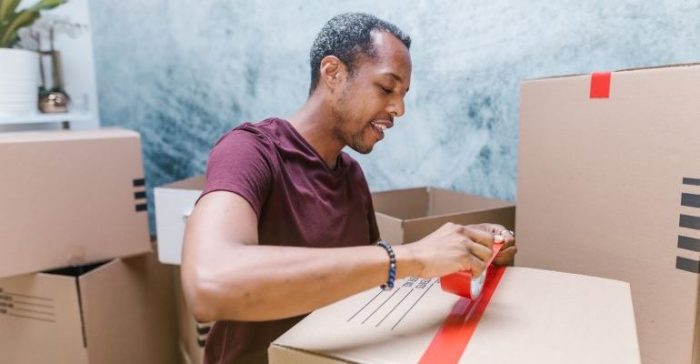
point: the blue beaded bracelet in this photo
(392, 265)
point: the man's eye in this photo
(386, 90)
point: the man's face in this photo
(373, 96)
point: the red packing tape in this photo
(460, 283)
(452, 338)
(600, 85)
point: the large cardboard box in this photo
(192, 334)
(70, 198)
(121, 311)
(534, 316)
(609, 185)
(174, 203)
(407, 215)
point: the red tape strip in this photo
(452, 338)
(600, 85)
(459, 283)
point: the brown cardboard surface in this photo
(404, 216)
(70, 198)
(192, 334)
(601, 189)
(534, 316)
(121, 311)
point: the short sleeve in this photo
(240, 163)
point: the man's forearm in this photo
(255, 283)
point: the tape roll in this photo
(463, 284)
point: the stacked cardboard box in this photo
(609, 185)
(74, 210)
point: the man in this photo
(285, 223)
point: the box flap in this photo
(443, 202)
(418, 228)
(403, 204)
(40, 317)
(127, 315)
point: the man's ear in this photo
(332, 72)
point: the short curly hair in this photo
(348, 36)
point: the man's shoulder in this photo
(261, 134)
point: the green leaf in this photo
(45, 5)
(11, 21)
(7, 7)
(9, 35)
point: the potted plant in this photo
(19, 68)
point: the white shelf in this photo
(45, 118)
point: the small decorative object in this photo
(19, 68)
(52, 99)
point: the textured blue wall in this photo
(183, 72)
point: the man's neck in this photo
(315, 124)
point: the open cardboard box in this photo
(121, 311)
(609, 185)
(70, 198)
(534, 316)
(407, 215)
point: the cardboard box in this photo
(174, 203)
(610, 186)
(70, 198)
(121, 311)
(405, 216)
(192, 334)
(534, 316)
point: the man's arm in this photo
(226, 275)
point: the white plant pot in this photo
(19, 82)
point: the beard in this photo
(353, 139)
(358, 144)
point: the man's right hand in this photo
(451, 248)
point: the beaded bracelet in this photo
(392, 265)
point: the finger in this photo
(479, 236)
(508, 241)
(476, 267)
(480, 251)
(506, 256)
(491, 228)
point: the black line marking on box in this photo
(689, 265)
(688, 243)
(413, 305)
(30, 317)
(380, 306)
(392, 310)
(690, 222)
(366, 304)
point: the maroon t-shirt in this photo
(299, 201)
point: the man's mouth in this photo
(380, 126)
